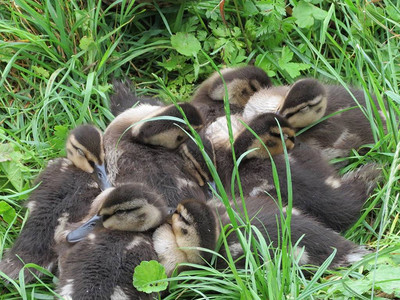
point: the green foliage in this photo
(7, 212)
(383, 275)
(146, 274)
(57, 62)
(186, 44)
(11, 165)
(305, 13)
(292, 68)
(87, 43)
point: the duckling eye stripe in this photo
(75, 147)
(316, 101)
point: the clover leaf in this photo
(146, 274)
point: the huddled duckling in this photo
(109, 246)
(306, 102)
(241, 84)
(337, 135)
(148, 151)
(128, 207)
(67, 186)
(317, 189)
(195, 226)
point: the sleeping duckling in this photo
(306, 102)
(149, 151)
(195, 224)
(67, 186)
(101, 264)
(241, 84)
(337, 135)
(128, 207)
(317, 189)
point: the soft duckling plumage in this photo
(306, 102)
(241, 84)
(101, 264)
(67, 186)
(195, 225)
(317, 189)
(149, 151)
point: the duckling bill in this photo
(85, 149)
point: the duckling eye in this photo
(270, 144)
(184, 231)
(124, 211)
(304, 109)
(80, 152)
(119, 212)
(179, 138)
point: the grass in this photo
(58, 58)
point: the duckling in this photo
(129, 207)
(317, 189)
(67, 186)
(195, 226)
(101, 264)
(241, 84)
(337, 135)
(150, 150)
(306, 102)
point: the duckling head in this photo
(305, 103)
(194, 224)
(165, 132)
(85, 149)
(241, 84)
(129, 207)
(133, 207)
(268, 131)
